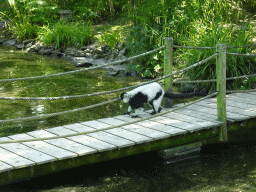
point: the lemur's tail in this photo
(183, 95)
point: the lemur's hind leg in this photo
(156, 104)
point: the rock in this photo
(11, 42)
(80, 53)
(29, 41)
(122, 52)
(19, 46)
(70, 51)
(56, 54)
(45, 51)
(29, 45)
(120, 46)
(83, 48)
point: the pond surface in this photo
(221, 168)
(17, 64)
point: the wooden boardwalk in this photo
(197, 122)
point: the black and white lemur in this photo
(153, 94)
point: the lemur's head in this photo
(125, 97)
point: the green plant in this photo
(111, 38)
(202, 35)
(66, 34)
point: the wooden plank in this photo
(162, 127)
(2, 139)
(96, 124)
(41, 134)
(193, 113)
(188, 118)
(237, 107)
(126, 118)
(71, 146)
(111, 121)
(5, 167)
(154, 134)
(230, 115)
(28, 153)
(244, 97)
(112, 139)
(180, 149)
(92, 143)
(49, 149)
(14, 160)
(22, 136)
(177, 123)
(79, 128)
(193, 120)
(61, 131)
(129, 135)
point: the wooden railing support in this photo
(168, 62)
(221, 89)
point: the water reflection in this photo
(225, 167)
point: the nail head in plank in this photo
(72, 146)
(28, 153)
(93, 143)
(49, 149)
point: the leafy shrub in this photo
(209, 36)
(66, 34)
(111, 38)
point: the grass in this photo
(66, 34)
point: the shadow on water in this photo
(222, 167)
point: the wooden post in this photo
(221, 88)
(168, 61)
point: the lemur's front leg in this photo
(129, 111)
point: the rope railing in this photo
(111, 127)
(212, 80)
(244, 55)
(96, 105)
(81, 70)
(113, 91)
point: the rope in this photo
(113, 91)
(245, 55)
(76, 71)
(112, 127)
(242, 46)
(58, 113)
(240, 91)
(213, 80)
(189, 47)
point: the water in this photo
(222, 167)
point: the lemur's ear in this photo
(121, 96)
